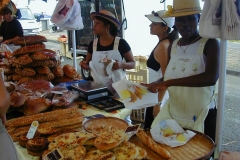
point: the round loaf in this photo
(58, 72)
(70, 71)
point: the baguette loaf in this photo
(44, 117)
(62, 122)
(148, 141)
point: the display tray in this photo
(97, 123)
(200, 147)
(107, 104)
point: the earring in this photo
(107, 30)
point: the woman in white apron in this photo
(7, 148)
(191, 74)
(108, 55)
(158, 59)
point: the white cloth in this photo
(100, 62)
(187, 105)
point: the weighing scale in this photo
(97, 95)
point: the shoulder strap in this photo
(95, 41)
(116, 43)
(174, 46)
(201, 45)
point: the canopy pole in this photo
(74, 50)
(221, 86)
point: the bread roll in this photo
(43, 70)
(44, 55)
(23, 60)
(34, 106)
(25, 72)
(17, 99)
(58, 72)
(70, 71)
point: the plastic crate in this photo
(137, 76)
(138, 115)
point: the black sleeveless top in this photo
(151, 62)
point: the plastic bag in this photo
(67, 15)
(169, 132)
(135, 96)
(116, 75)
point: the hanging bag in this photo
(210, 20)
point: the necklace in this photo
(184, 50)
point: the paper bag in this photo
(169, 132)
(135, 96)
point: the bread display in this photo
(28, 40)
(29, 49)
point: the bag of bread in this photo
(169, 132)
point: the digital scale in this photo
(89, 90)
(97, 95)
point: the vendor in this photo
(158, 59)
(10, 29)
(191, 73)
(107, 48)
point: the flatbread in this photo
(99, 155)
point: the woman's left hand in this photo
(155, 87)
(116, 65)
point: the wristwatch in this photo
(158, 104)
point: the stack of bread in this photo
(49, 122)
(33, 62)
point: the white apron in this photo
(98, 67)
(187, 105)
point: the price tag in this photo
(133, 128)
(54, 155)
(32, 129)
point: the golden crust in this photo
(29, 40)
(29, 49)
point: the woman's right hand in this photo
(84, 64)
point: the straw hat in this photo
(106, 15)
(183, 8)
(156, 17)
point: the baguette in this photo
(62, 122)
(44, 117)
(148, 141)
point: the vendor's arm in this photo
(129, 64)
(85, 62)
(9, 41)
(161, 56)
(5, 100)
(207, 78)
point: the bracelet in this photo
(158, 104)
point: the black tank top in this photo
(151, 62)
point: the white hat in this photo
(156, 17)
